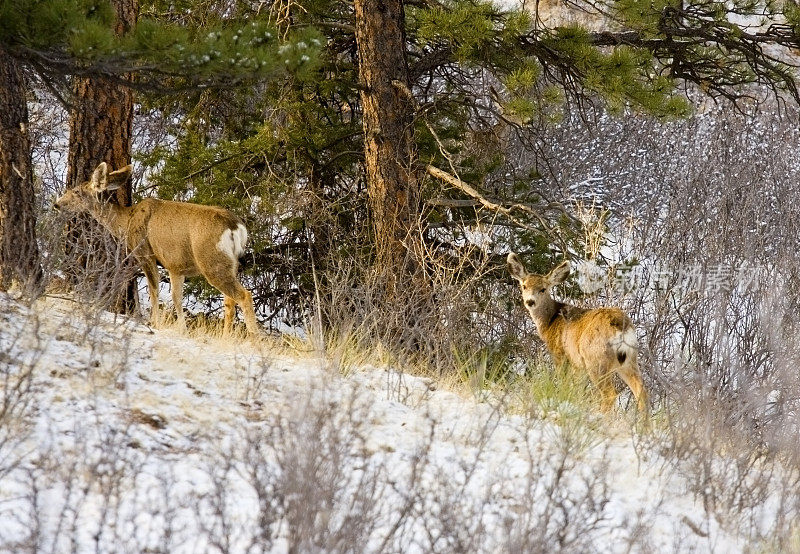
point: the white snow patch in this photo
(153, 441)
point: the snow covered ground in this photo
(117, 438)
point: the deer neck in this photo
(545, 315)
(113, 217)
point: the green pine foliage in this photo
(643, 15)
(792, 14)
(480, 35)
(229, 50)
(623, 77)
(468, 28)
(44, 23)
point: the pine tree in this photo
(100, 126)
(388, 120)
(19, 252)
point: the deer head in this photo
(536, 288)
(86, 197)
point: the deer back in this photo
(588, 339)
(185, 237)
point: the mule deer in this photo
(186, 239)
(599, 342)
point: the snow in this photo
(138, 440)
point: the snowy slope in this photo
(132, 440)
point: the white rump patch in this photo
(233, 242)
(626, 341)
(630, 339)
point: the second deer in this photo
(186, 239)
(599, 342)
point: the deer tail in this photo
(625, 345)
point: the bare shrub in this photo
(20, 352)
(572, 513)
(447, 311)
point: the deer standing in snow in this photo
(186, 239)
(599, 342)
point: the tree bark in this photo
(19, 252)
(388, 119)
(100, 129)
(102, 118)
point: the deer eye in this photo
(542, 290)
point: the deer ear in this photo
(119, 176)
(99, 180)
(516, 268)
(559, 274)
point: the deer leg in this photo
(248, 310)
(608, 394)
(230, 314)
(601, 379)
(176, 284)
(223, 277)
(241, 297)
(633, 378)
(151, 274)
(244, 299)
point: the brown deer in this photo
(599, 342)
(186, 239)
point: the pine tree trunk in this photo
(100, 131)
(388, 119)
(19, 252)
